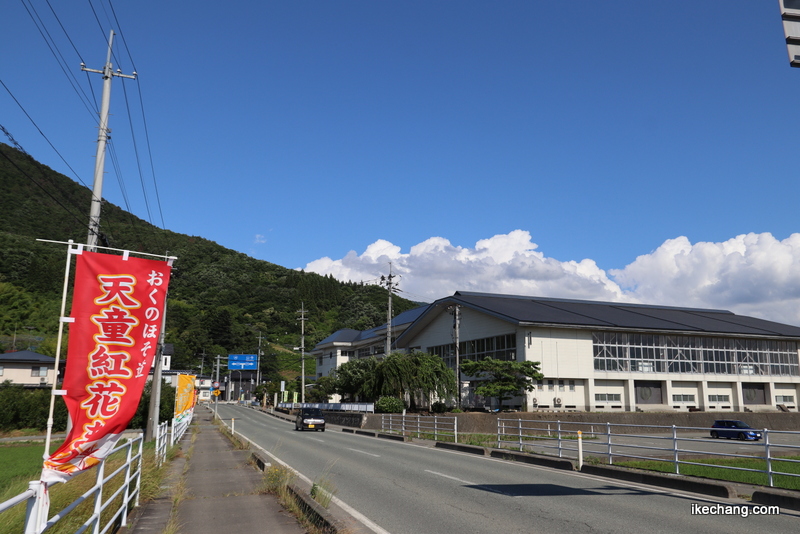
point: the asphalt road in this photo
(410, 488)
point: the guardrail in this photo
(421, 426)
(37, 496)
(366, 407)
(681, 444)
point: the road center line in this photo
(364, 452)
(451, 478)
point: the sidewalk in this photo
(220, 490)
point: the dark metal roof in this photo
(23, 356)
(523, 310)
(348, 335)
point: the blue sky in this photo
(617, 150)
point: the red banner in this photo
(117, 309)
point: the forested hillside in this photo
(219, 300)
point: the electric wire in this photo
(42, 133)
(90, 102)
(40, 186)
(59, 57)
(143, 116)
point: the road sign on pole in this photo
(243, 362)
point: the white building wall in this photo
(21, 373)
(562, 353)
(473, 326)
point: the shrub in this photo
(438, 407)
(389, 405)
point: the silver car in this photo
(310, 418)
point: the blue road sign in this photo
(242, 362)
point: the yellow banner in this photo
(184, 394)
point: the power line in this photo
(40, 186)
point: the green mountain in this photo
(219, 301)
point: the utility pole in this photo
(216, 397)
(390, 285)
(258, 365)
(102, 139)
(155, 385)
(302, 312)
(456, 311)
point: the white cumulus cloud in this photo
(507, 263)
(752, 274)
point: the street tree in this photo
(502, 379)
(415, 375)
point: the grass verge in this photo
(61, 495)
(731, 475)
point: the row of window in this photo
(693, 354)
(616, 397)
(551, 385)
(498, 348)
(607, 397)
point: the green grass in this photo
(20, 461)
(730, 475)
(30, 465)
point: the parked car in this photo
(312, 418)
(729, 428)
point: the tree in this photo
(417, 374)
(356, 378)
(324, 387)
(503, 379)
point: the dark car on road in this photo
(729, 428)
(311, 418)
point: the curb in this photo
(320, 516)
(776, 497)
(676, 482)
(472, 449)
(555, 463)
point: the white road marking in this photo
(451, 478)
(468, 483)
(364, 452)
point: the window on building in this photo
(560, 385)
(653, 353)
(683, 398)
(1, 370)
(784, 399)
(719, 398)
(39, 371)
(572, 385)
(502, 347)
(607, 397)
(550, 385)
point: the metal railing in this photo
(162, 442)
(367, 407)
(422, 426)
(37, 496)
(180, 424)
(676, 445)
